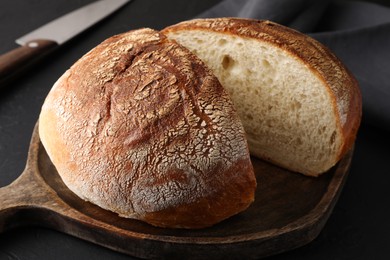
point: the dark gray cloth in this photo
(357, 32)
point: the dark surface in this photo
(357, 229)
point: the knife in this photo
(50, 36)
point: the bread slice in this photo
(300, 106)
(141, 127)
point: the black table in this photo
(359, 227)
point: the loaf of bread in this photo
(141, 127)
(300, 106)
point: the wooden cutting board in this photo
(289, 211)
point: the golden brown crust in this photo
(217, 205)
(140, 127)
(341, 83)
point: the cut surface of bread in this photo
(299, 106)
(141, 127)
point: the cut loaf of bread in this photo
(141, 127)
(300, 106)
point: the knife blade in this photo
(48, 37)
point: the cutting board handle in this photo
(28, 199)
(14, 198)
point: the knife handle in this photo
(17, 60)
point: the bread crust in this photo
(341, 84)
(140, 127)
